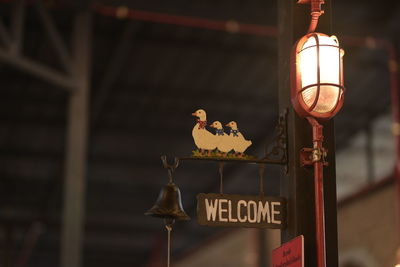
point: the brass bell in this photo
(169, 204)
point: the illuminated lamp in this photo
(317, 76)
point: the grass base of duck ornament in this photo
(215, 154)
(220, 144)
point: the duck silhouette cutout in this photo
(204, 140)
(240, 144)
(225, 144)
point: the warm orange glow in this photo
(329, 72)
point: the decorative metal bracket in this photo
(170, 167)
(317, 154)
(275, 151)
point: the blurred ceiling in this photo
(147, 79)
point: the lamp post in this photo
(317, 93)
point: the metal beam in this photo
(37, 69)
(55, 36)
(4, 35)
(114, 69)
(14, 57)
(17, 24)
(76, 151)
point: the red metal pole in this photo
(187, 21)
(319, 213)
(318, 190)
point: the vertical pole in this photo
(395, 101)
(8, 244)
(29, 243)
(298, 184)
(18, 21)
(369, 153)
(263, 257)
(155, 258)
(76, 149)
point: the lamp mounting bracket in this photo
(308, 156)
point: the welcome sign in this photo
(241, 211)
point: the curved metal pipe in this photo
(316, 12)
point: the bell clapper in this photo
(168, 225)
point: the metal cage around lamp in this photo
(317, 76)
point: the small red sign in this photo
(290, 254)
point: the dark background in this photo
(162, 73)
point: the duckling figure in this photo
(225, 145)
(240, 144)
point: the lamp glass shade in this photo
(318, 76)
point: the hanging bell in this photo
(169, 204)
